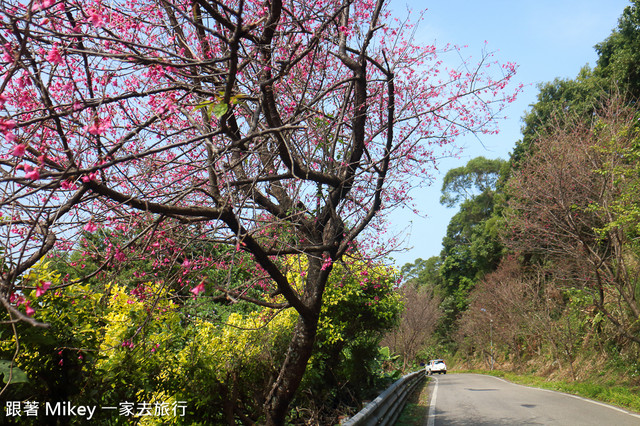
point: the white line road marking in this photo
(431, 418)
(613, 407)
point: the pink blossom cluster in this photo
(128, 344)
(20, 300)
(116, 126)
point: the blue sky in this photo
(547, 39)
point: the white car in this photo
(436, 366)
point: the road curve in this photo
(475, 399)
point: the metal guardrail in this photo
(385, 409)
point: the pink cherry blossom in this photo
(6, 125)
(98, 127)
(32, 173)
(198, 289)
(18, 150)
(90, 227)
(88, 178)
(326, 264)
(29, 310)
(68, 185)
(42, 288)
(95, 18)
(42, 5)
(54, 55)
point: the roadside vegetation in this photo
(539, 275)
(417, 408)
(131, 339)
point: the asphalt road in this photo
(474, 399)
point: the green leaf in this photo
(202, 105)
(237, 99)
(385, 352)
(16, 374)
(219, 109)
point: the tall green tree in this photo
(619, 54)
(617, 70)
(470, 248)
(478, 176)
(556, 100)
(422, 273)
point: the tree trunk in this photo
(277, 404)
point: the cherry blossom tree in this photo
(275, 128)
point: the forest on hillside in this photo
(541, 262)
(193, 194)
